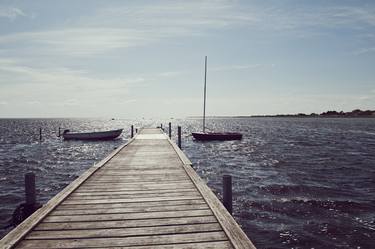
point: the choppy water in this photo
(297, 183)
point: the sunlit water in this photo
(297, 183)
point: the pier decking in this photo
(144, 195)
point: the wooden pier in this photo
(145, 194)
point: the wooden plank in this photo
(139, 175)
(124, 223)
(132, 204)
(132, 196)
(127, 216)
(126, 241)
(137, 179)
(134, 187)
(144, 183)
(198, 245)
(132, 192)
(138, 171)
(151, 199)
(124, 232)
(176, 181)
(129, 209)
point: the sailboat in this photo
(211, 136)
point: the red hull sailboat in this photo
(212, 136)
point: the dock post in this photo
(59, 132)
(227, 192)
(179, 136)
(132, 131)
(161, 126)
(30, 193)
(170, 130)
(40, 134)
(136, 130)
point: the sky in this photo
(132, 59)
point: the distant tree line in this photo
(354, 113)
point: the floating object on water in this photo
(100, 135)
(221, 136)
(211, 136)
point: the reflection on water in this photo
(298, 183)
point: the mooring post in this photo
(40, 134)
(227, 192)
(161, 126)
(30, 193)
(59, 132)
(132, 131)
(136, 130)
(179, 136)
(170, 130)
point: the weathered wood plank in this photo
(125, 223)
(151, 199)
(132, 204)
(132, 196)
(126, 183)
(121, 179)
(124, 232)
(142, 184)
(132, 192)
(199, 245)
(129, 209)
(127, 216)
(133, 187)
(139, 171)
(127, 241)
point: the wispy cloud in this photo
(171, 73)
(125, 25)
(11, 13)
(79, 41)
(364, 51)
(59, 84)
(239, 67)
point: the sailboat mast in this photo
(204, 99)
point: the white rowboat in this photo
(100, 135)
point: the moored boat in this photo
(221, 136)
(99, 135)
(211, 136)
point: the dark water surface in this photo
(297, 182)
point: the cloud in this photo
(124, 26)
(237, 67)
(79, 41)
(11, 12)
(127, 26)
(50, 85)
(170, 73)
(364, 51)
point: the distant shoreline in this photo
(329, 114)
